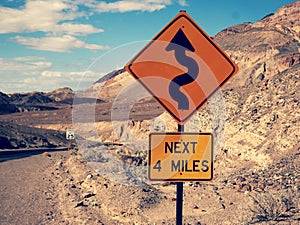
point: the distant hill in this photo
(62, 95)
(29, 98)
(5, 106)
(13, 136)
(35, 101)
(265, 48)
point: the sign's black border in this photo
(179, 133)
(208, 39)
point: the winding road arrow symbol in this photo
(180, 44)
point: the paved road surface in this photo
(6, 155)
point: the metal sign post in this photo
(179, 203)
(179, 192)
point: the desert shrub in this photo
(91, 155)
(274, 206)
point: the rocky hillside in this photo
(263, 99)
(61, 95)
(5, 106)
(35, 101)
(19, 110)
(108, 87)
(265, 48)
(13, 136)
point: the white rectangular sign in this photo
(70, 134)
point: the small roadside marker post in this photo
(70, 135)
(70, 144)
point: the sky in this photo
(49, 44)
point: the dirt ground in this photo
(26, 190)
(60, 188)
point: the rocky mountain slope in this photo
(35, 101)
(32, 107)
(13, 136)
(263, 99)
(265, 48)
(5, 106)
(61, 95)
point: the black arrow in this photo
(180, 44)
(181, 40)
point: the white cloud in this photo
(17, 73)
(31, 80)
(75, 29)
(132, 5)
(72, 76)
(56, 19)
(40, 65)
(51, 74)
(45, 80)
(19, 65)
(57, 44)
(45, 16)
(182, 2)
(29, 58)
(50, 80)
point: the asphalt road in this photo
(6, 155)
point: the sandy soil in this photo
(60, 188)
(27, 191)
